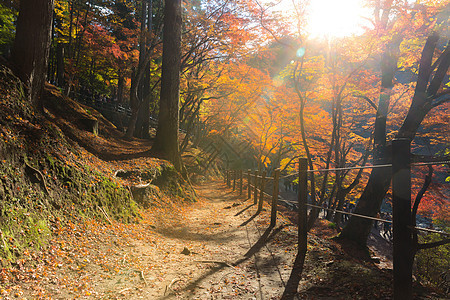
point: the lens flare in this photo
(301, 51)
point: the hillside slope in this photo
(53, 168)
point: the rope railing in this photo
(430, 163)
(403, 225)
(368, 217)
(341, 212)
(353, 214)
(368, 167)
(430, 230)
(342, 169)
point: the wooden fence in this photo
(401, 197)
(235, 179)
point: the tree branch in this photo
(440, 72)
(433, 245)
(441, 99)
(425, 64)
(368, 100)
(426, 185)
(277, 39)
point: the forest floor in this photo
(215, 248)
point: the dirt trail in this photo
(216, 248)
(211, 249)
(219, 232)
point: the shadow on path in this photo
(249, 220)
(244, 210)
(266, 237)
(192, 288)
(290, 291)
(193, 285)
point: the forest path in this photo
(227, 258)
(215, 248)
(210, 249)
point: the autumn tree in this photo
(91, 46)
(426, 92)
(144, 81)
(31, 45)
(216, 34)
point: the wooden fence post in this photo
(273, 213)
(401, 210)
(234, 179)
(249, 183)
(255, 196)
(240, 182)
(302, 201)
(261, 190)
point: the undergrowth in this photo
(44, 177)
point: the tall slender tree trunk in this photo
(136, 91)
(143, 120)
(60, 64)
(369, 203)
(120, 87)
(32, 45)
(166, 140)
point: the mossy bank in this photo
(47, 178)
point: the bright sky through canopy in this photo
(336, 18)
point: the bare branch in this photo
(440, 72)
(419, 196)
(368, 100)
(433, 245)
(441, 99)
(270, 31)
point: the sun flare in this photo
(332, 18)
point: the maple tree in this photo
(370, 201)
(314, 79)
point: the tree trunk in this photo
(425, 93)
(60, 64)
(137, 88)
(32, 45)
(120, 87)
(369, 203)
(134, 105)
(143, 120)
(166, 140)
